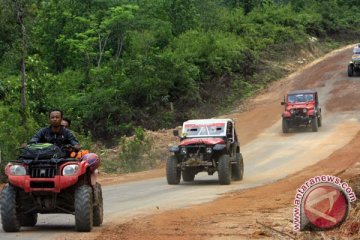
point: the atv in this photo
(206, 145)
(301, 109)
(45, 180)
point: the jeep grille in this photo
(198, 151)
(195, 149)
(298, 112)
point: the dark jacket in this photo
(45, 135)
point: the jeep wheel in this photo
(173, 173)
(83, 208)
(9, 216)
(187, 175)
(285, 126)
(98, 210)
(237, 169)
(314, 124)
(350, 70)
(224, 170)
(28, 220)
(320, 121)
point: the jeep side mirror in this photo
(176, 132)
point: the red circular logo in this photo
(325, 206)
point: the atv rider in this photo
(55, 133)
(66, 122)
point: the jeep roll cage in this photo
(297, 92)
(201, 128)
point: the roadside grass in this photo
(134, 154)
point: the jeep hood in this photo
(206, 141)
(356, 57)
(299, 105)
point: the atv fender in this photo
(93, 177)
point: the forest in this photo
(115, 67)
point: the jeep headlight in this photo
(219, 147)
(18, 170)
(208, 150)
(183, 151)
(304, 110)
(70, 170)
(174, 149)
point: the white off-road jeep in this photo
(206, 145)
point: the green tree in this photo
(183, 15)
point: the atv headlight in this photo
(18, 170)
(70, 170)
(304, 110)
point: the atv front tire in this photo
(224, 170)
(9, 214)
(83, 208)
(173, 172)
(98, 211)
(237, 169)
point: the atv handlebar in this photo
(53, 160)
(70, 148)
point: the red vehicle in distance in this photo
(301, 109)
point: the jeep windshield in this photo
(204, 130)
(300, 98)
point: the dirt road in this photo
(147, 209)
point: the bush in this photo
(135, 154)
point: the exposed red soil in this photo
(347, 95)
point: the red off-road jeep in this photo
(52, 183)
(301, 109)
(206, 145)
